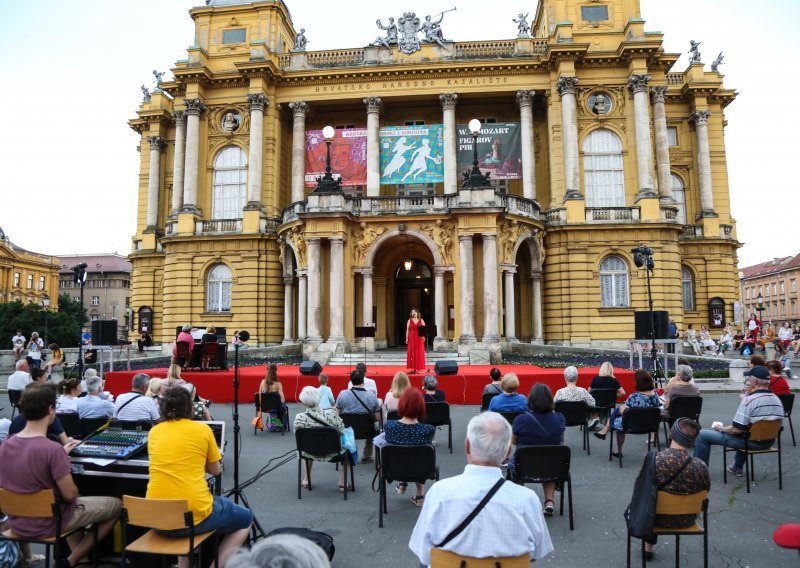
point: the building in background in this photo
(776, 281)
(107, 292)
(26, 276)
(594, 142)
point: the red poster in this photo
(348, 156)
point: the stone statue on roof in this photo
(694, 49)
(432, 30)
(300, 40)
(523, 29)
(146, 98)
(409, 28)
(717, 62)
(158, 77)
(391, 34)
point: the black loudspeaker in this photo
(446, 367)
(642, 320)
(310, 368)
(104, 332)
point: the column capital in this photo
(257, 101)
(156, 143)
(367, 272)
(536, 275)
(373, 104)
(180, 118)
(638, 83)
(299, 108)
(567, 86)
(194, 107)
(301, 272)
(700, 117)
(509, 268)
(448, 101)
(315, 240)
(490, 236)
(525, 98)
(439, 270)
(288, 280)
(338, 240)
(657, 94)
(465, 237)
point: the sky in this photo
(72, 72)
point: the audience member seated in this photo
(796, 340)
(271, 383)
(738, 338)
(682, 384)
(409, 431)
(87, 374)
(55, 431)
(451, 500)
(199, 408)
(766, 337)
(21, 377)
(56, 359)
(400, 383)
(173, 377)
(748, 343)
(644, 397)
(430, 389)
(784, 339)
(494, 386)
(606, 380)
(94, 405)
(358, 400)
(542, 426)
(280, 551)
(136, 406)
(759, 404)
(210, 336)
(754, 361)
(29, 462)
(369, 384)
(144, 341)
(316, 417)
(181, 453)
(709, 345)
(185, 336)
(154, 389)
(326, 399)
(68, 391)
(510, 400)
(777, 382)
(690, 337)
(725, 340)
(573, 393)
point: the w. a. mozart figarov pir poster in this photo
(499, 149)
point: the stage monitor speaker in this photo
(446, 367)
(104, 332)
(310, 368)
(642, 321)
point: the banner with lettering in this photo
(348, 156)
(499, 150)
(411, 154)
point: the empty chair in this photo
(404, 463)
(762, 431)
(541, 464)
(438, 414)
(576, 413)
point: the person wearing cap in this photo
(760, 404)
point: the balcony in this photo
(692, 232)
(427, 204)
(612, 214)
(218, 226)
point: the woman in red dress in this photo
(415, 345)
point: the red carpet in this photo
(464, 388)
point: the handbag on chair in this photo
(258, 421)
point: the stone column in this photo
(466, 290)
(302, 307)
(536, 285)
(491, 324)
(314, 294)
(450, 140)
(180, 158)
(644, 153)
(288, 310)
(336, 298)
(255, 167)
(153, 180)
(525, 102)
(440, 295)
(373, 148)
(298, 150)
(510, 323)
(366, 274)
(700, 119)
(569, 127)
(663, 173)
(194, 108)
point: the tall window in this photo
(95, 300)
(783, 289)
(602, 170)
(679, 193)
(687, 287)
(219, 289)
(41, 282)
(16, 280)
(793, 286)
(614, 282)
(230, 183)
(30, 281)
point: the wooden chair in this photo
(40, 505)
(762, 431)
(669, 504)
(162, 515)
(438, 414)
(14, 397)
(787, 400)
(403, 463)
(446, 559)
(576, 413)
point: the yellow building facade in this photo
(27, 276)
(616, 150)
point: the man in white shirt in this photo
(20, 378)
(135, 406)
(92, 405)
(510, 524)
(369, 384)
(18, 342)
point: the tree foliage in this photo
(63, 324)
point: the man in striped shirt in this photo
(760, 404)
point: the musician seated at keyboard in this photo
(94, 405)
(181, 453)
(135, 406)
(29, 462)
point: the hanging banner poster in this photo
(348, 156)
(499, 150)
(411, 154)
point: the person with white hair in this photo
(21, 376)
(280, 551)
(93, 405)
(573, 393)
(316, 417)
(511, 522)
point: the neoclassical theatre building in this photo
(594, 142)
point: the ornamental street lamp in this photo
(760, 308)
(327, 183)
(46, 306)
(474, 178)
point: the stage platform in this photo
(464, 388)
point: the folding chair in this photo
(71, 424)
(604, 401)
(322, 442)
(576, 413)
(540, 464)
(404, 463)
(762, 431)
(270, 402)
(486, 399)
(682, 407)
(438, 414)
(787, 400)
(14, 397)
(638, 421)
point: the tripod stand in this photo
(643, 256)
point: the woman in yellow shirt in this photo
(181, 453)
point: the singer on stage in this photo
(415, 345)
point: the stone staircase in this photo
(392, 357)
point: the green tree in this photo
(63, 325)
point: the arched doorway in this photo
(413, 289)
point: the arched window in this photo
(614, 282)
(679, 194)
(603, 177)
(220, 279)
(687, 287)
(229, 189)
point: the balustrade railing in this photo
(219, 226)
(612, 214)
